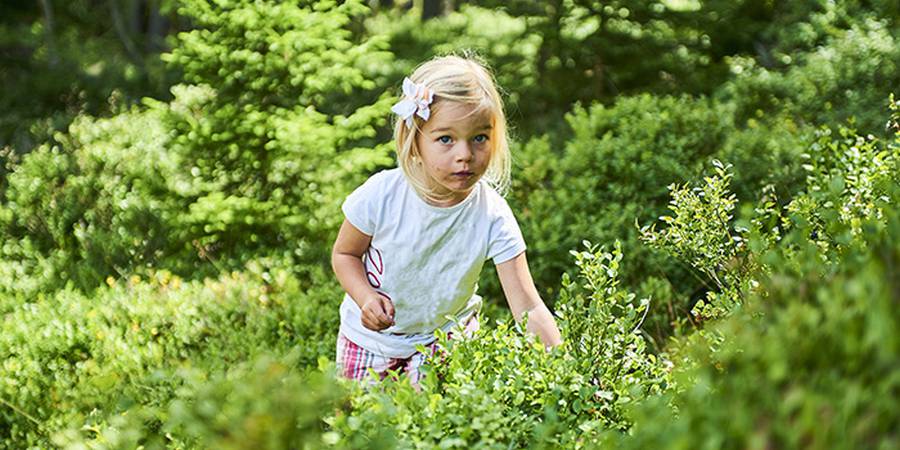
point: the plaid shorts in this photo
(353, 361)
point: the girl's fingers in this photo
(378, 315)
(387, 305)
(375, 320)
(374, 325)
(388, 309)
(381, 317)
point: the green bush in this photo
(810, 363)
(807, 358)
(75, 361)
(251, 158)
(843, 78)
(103, 202)
(849, 181)
(612, 171)
(501, 389)
(266, 403)
(275, 123)
(767, 155)
(701, 233)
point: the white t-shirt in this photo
(426, 259)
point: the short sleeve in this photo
(505, 240)
(361, 206)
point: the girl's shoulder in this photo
(492, 196)
(380, 183)
(383, 177)
(390, 175)
(496, 206)
(367, 203)
(386, 175)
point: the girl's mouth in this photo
(463, 174)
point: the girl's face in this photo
(455, 149)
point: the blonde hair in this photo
(467, 81)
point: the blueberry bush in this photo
(708, 191)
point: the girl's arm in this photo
(523, 298)
(346, 260)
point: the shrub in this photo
(267, 403)
(501, 389)
(250, 159)
(808, 357)
(274, 124)
(841, 79)
(810, 363)
(76, 361)
(849, 180)
(613, 170)
(102, 202)
(701, 233)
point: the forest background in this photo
(708, 191)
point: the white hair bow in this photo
(416, 98)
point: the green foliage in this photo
(701, 232)
(242, 163)
(102, 202)
(845, 77)
(163, 275)
(580, 51)
(773, 33)
(767, 154)
(258, 408)
(271, 124)
(847, 183)
(62, 58)
(501, 389)
(75, 361)
(591, 48)
(809, 360)
(613, 170)
(810, 363)
(601, 325)
(253, 405)
(277, 53)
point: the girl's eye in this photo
(445, 140)
(481, 139)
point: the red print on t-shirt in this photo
(378, 266)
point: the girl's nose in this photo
(465, 152)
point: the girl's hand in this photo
(377, 313)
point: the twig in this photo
(646, 310)
(18, 410)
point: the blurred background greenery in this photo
(171, 173)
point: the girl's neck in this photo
(448, 199)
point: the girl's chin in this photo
(460, 188)
(462, 181)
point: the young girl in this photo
(415, 238)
